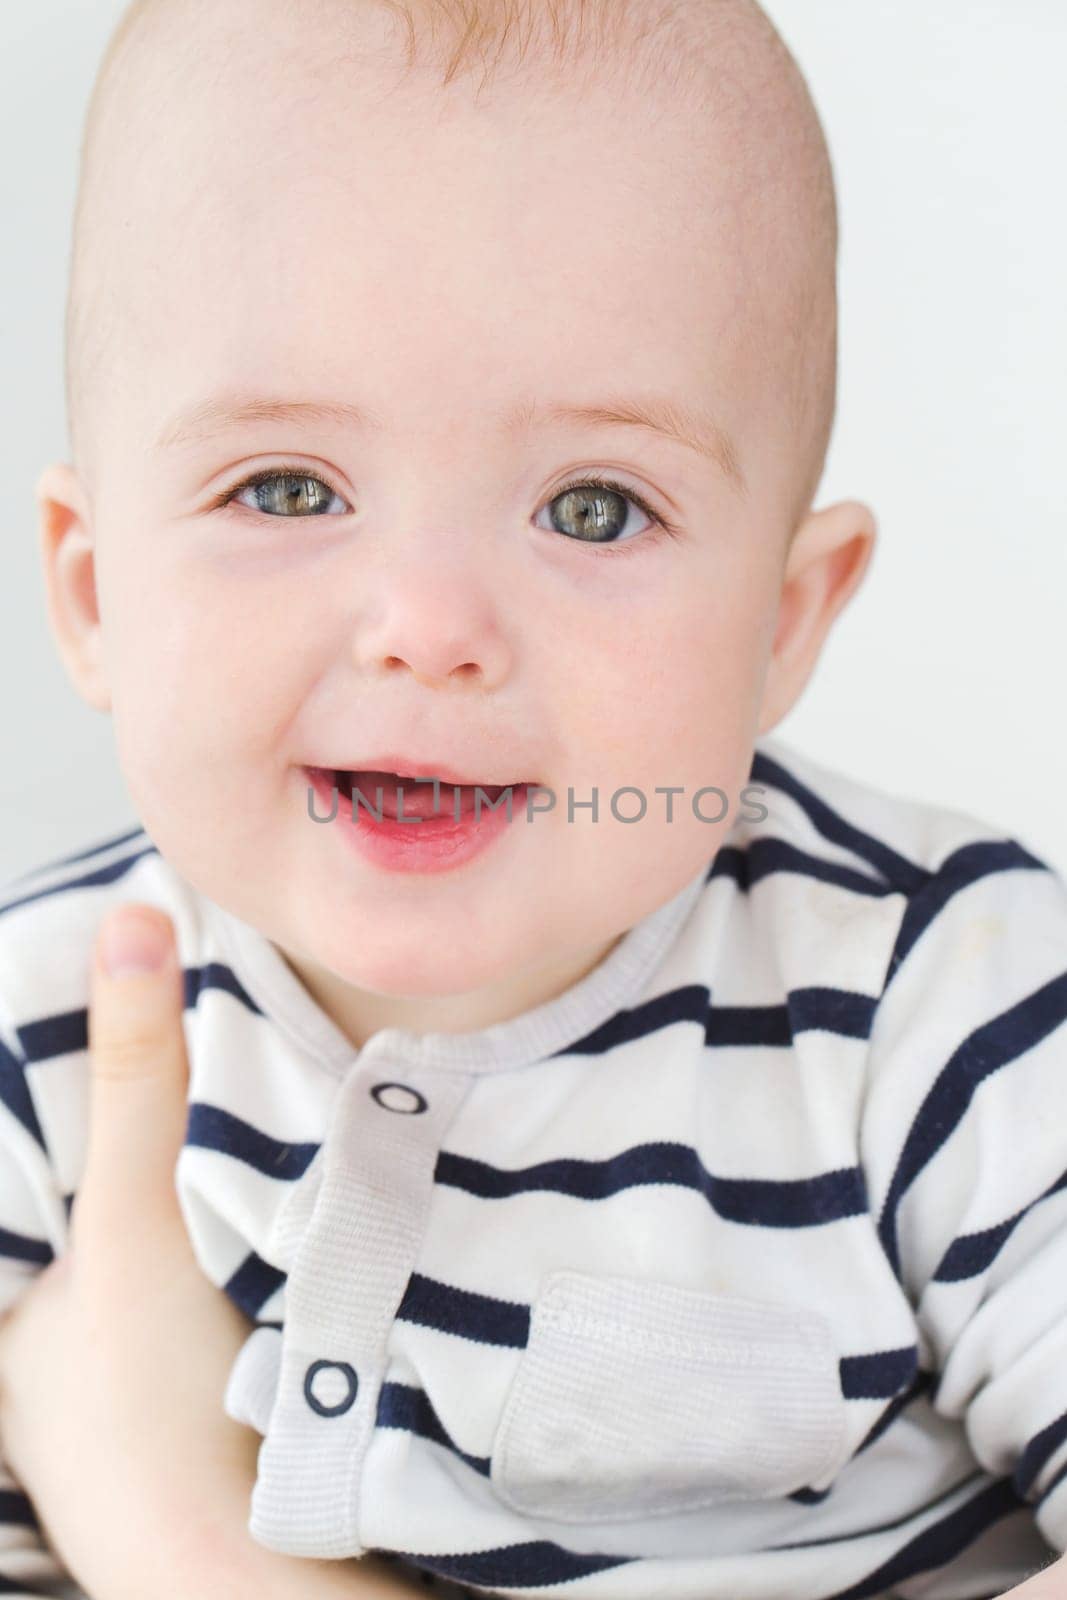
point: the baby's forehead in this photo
(257, 78)
(273, 134)
(213, 110)
(231, 142)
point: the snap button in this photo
(402, 1097)
(337, 1385)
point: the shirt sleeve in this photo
(28, 1197)
(964, 1147)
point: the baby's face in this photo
(406, 270)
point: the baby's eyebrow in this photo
(689, 426)
(692, 427)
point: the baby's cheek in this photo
(188, 693)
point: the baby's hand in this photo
(113, 1364)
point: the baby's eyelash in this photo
(665, 527)
(268, 475)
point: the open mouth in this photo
(345, 780)
(382, 790)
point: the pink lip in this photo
(419, 844)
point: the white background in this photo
(943, 679)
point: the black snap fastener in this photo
(348, 1378)
(411, 1102)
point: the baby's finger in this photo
(139, 1070)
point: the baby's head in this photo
(466, 250)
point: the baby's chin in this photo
(431, 936)
(419, 985)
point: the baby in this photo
(640, 1149)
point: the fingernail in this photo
(131, 944)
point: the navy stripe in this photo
(805, 1010)
(990, 1046)
(535, 1564)
(825, 1009)
(821, 1009)
(896, 869)
(688, 1003)
(765, 1202)
(972, 1253)
(253, 1284)
(749, 1026)
(402, 1405)
(878, 1375)
(19, 1247)
(808, 1497)
(964, 867)
(762, 857)
(80, 855)
(1043, 1445)
(212, 1128)
(472, 1316)
(62, 1034)
(17, 1508)
(840, 1011)
(216, 975)
(67, 1032)
(88, 880)
(15, 1094)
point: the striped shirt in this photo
(736, 1271)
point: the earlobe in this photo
(69, 559)
(827, 562)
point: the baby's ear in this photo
(68, 554)
(827, 560)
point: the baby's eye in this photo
(287, 493)
(594, 507)
(591, 511)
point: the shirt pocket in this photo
(637, 1398)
